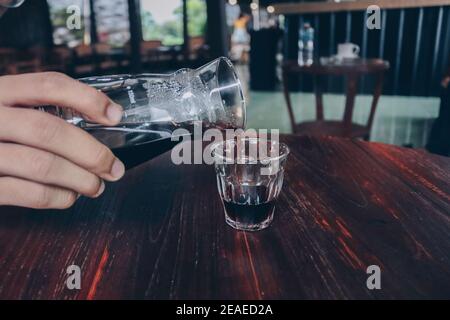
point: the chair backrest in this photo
(62, 52)
(83, 50)
(150, 45)
(6, 55)
(195, 43)
(102, 48)
(14, 61)
(127, 47)
(59, 59)
(7, 51)
(33, 64)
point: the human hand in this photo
(46, 162)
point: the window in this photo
(60, 12)
(111, 18)
(196, 12)
(162, 20)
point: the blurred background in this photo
(262, 38)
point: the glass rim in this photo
(238, 83)
(221, 144)
(11, 3)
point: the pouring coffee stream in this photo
(155, 105)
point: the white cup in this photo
(347, 51)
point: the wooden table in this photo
(353, 70)
(160, 233)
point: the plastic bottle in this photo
(306, 45)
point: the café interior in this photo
(396, 104)
(351, 219)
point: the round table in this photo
(160, 232)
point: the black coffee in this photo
(134, 148)
(143, 142)
(249, 214)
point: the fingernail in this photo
(118, 169)
(100, 190)
(114, 112)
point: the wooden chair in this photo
(84, 60)
(353, 70)
(25, 61)
(6, 57)
(25, 66)
(104, 60)
(127, 51)
(149, 50)
(60, 58)
(52, 59)
(195, 45)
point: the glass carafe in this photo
(157, 104)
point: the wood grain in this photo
(320, 7)
(160, 233)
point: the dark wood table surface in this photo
(344, 67)
(160, 232)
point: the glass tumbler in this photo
(250, 175)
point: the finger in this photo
(24, 193)
(52, 88)
(43, 131)
(44, 167)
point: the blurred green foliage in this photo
(171, 32)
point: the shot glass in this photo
(250, 175)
